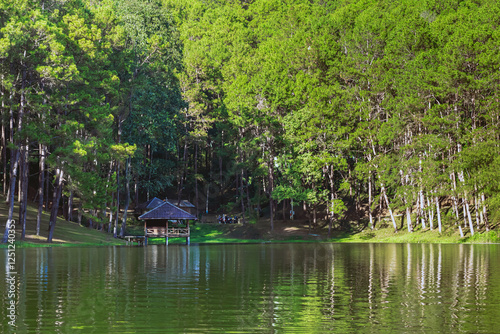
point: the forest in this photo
(339, 110)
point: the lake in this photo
(267, 288)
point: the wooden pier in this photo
(130, 239)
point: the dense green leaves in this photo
(335, 98)
(349, 107)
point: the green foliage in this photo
(322, 103)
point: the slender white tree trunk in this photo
(483, 204)
(431, 214)
(422, 209)
(23, 208)
(389, 207)
(471, 226)
(476, 209)
(408, 220)
(466, 203)
(370, 200)
(438, 214)
(41, 181)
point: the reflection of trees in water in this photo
(422, 286)
(319, 287)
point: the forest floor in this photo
(71, 234)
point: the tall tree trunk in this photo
(21, 185)
(467, 208)
(14, 158)
(55, 203)
(115, 228)
(136, 192)
(20, 178)
(184, 167)
(271, 188)
(466, 202)
(105, 210)
(4, 152)
(422, 208)
(483, 204)
(408, 219)
(481, 217)
(110, 222)
(242, 197)
(220, 175)
(127, 198)
(70, 205)
(431, 214)
(476, 211)
(332, 214)
(247, 186)
(453, 198)
(370, 201)
(13, 178)
(196, 179)
(47, 177)
(10, 189)
(389, 208)
(41, 182)
(80, 212)
(465, 214)
(23, 207)
(438, 213)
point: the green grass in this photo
(66, 234)
(208, 234)
(484, 238)
(387, 235)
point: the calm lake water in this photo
(267, 288)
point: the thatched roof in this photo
(167, 211)
(151, 204)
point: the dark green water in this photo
(285, 288)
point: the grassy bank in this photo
(66, 234)
(69, 234)
(299, 232)
(387, 235)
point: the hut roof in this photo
(151, 204)
(167, 211)
(182, 204)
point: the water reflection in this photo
(257, 288)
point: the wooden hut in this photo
(167, 221)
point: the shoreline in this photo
(381, 236)
(71, 234)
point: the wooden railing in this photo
(178, 231)
(159, 231)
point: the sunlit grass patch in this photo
(490, 237)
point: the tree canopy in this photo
(346, 108)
